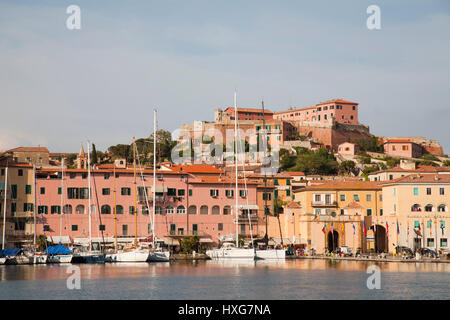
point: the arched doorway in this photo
(380, 239)
(333, 240)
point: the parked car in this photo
(405, 252)
(428, 252)
(346, 251)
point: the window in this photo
(429, 208)
(405, 148)
(181, 210)
(172, 229)
(72, 175)
(381, 212)
(106, 176)
(220, 226)
(55, 209)
(204, 210)
(275, 182)
(46, 227)
(416, 208)
(242, 228)
(105, 191)
(84, 175)
(342, 196)
(28, 189)
(226, 210)
(101, 227)
(42, 190)
(192, 210)
(181, 192)
(353, 107)
(267, 196)
(428, 191)
(27, 207)
(391, 177)
(441, 191)
(351, 117)
(243, 193)
(3, 172)
(194, 229)
(79, 209)
(67, 209)
(124, 229)
(368, 197)
(395, 191)
(215, 210)
(171, 192)
(20, 173)
(74, 227)
(442, 208)
(106, 209)
(214, 193)
(288, 192)
(430, 242)
(229, 193)
(43, 209)
(416, 224)
(13, 207)
(443, 242)
(369, 212)
(144, 210)
(317, 212)
(416, 191)
(356, 197)
(158, 210)
(125, 191)
(190, 192)
(131, 210)
(169, 210)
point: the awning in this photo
(159, 189)
(170, 241)
(59, 239)
(206, 240)
(247, 207)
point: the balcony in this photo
(22, 214)
(184, 233)
(142, 200)
(324, 204)
(2, 195)
(245, 217)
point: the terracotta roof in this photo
(420, 178)
(3, 164)
(295, 173)
(28, 149)
(295, 110)
(399, 141)
(346, 185)
(221, 180)
(294, 205)
(250, 110)
(337, 101)
(195, 168)
(420, 169)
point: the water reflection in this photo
(210, 268)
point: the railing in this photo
(21, 214)
(324, 203)
(189, 233)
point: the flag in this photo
(343, 227)
(442, 228)
(430, 226)
(354, 232)
(364, 227)
(398, 228)
(387, 227)
(323, 229)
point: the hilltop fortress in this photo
(327, 124)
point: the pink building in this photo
(186, 204)
(348, 148)
(402, 148)
(340, 110)
(248, 113)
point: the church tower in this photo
(81, 159)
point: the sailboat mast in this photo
(4, 208)
(62, 196)
(154, 176)
(89, 195)
(235, 161)
(265, 171)
(115, 210)
(135, 193)
(34, 209)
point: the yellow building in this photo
(333, 214)
(419, 204)
(19, 203)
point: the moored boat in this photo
(59, 254)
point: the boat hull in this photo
(128, 256)
(60, 258)
(159, 256)
(2, 261)
(40, 259)
(231, 253)
(270, 254)
(89, 258)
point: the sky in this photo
(60, 87)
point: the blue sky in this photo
(59, 88)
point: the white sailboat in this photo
(89, 255)
(267, 253)
(230, 250)
(156, 254)
(134, 254)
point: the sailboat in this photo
(267, 253)
(134, 254)
(89, 255)
(230, 250)
(156, 254)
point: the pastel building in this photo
(186, 205)
(246, 114)
(402, 148)
(419, 205)
(348, 148)
(341, 111)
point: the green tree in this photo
(371, 144)
(316, 162)
(189, 244)
(94, 159)
(431, 157)
(346, 167)
(446, 163)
